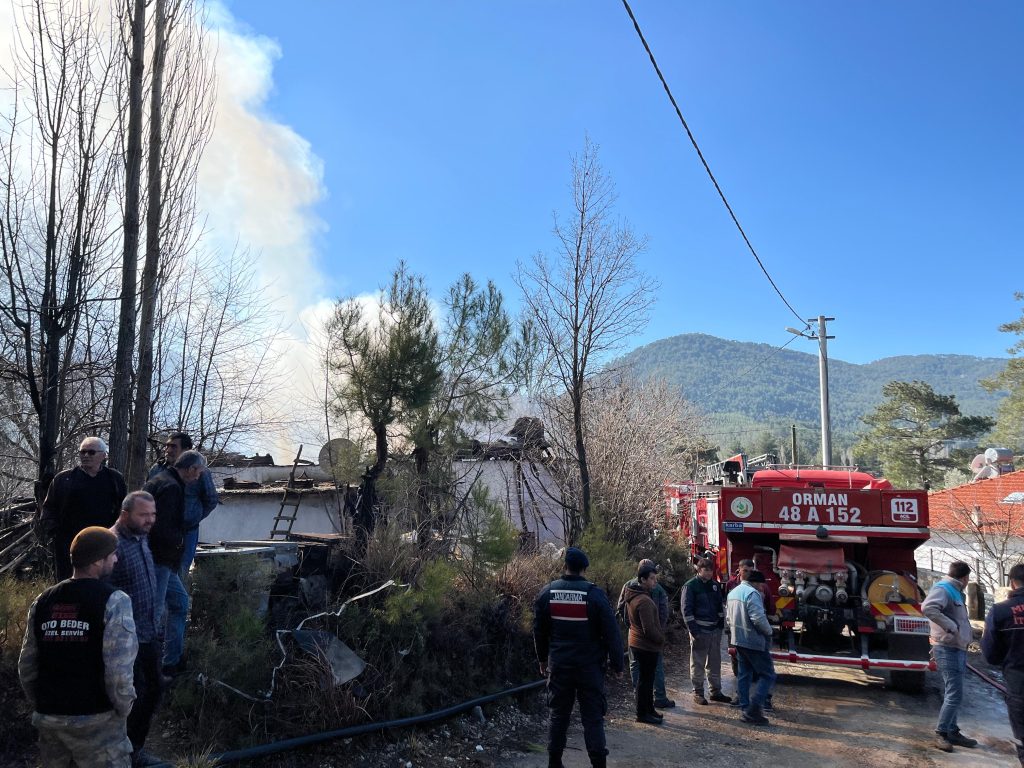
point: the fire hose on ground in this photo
(285, 745)
(991, 681)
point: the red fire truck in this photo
(836, 547)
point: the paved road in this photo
(824, 717)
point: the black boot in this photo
(599, 759)
(555, 760)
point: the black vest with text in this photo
(69, 635)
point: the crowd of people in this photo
(103, 643)
(577, 640)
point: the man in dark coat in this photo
(89, 494)
(576, 637)
(1003, 644)
(703, 608)
(167, 543)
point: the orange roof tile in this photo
(999, 501)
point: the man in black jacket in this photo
(1003, 643)
(576, 637)
(703, 608)
(167, 543)
(89, 494)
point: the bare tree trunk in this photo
(584, 303)
(119, 416)
(136, 473)
(581, 459)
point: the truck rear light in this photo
(910, 625)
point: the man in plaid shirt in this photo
(134, 574)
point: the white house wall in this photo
(249, 515)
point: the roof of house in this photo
(997, 502)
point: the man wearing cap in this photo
(76, 661)
(752, 636)
(646, 640)
(135, 574)
(743, 570)
(704, 614)
(660, 597)
(576, 637)
(89, 494)
(756, 579)
(200, 497)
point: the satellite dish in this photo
(342, 460)
(978, 462)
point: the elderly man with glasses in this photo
(89, 494)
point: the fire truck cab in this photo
(836, 547)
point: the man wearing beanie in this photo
(76, 660)
(576, 637)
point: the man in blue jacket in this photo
(577, 637)
(1003, 644)
(752, 636)
(946, 608)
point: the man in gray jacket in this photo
(946, 609)
(752, 636)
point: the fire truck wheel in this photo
(911, 647)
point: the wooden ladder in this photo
(284, 521)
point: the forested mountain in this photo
(753, 387)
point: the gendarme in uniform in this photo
(577, 638)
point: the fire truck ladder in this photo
(284, 521)
(717, 472)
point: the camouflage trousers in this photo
(85, 741)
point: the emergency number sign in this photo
(903, 510)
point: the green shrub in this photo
(488, 541)
(425, 600)
(227, 644)
(17, 734)
(675, 562)
(610, 563)
(16, 597)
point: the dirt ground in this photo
(823, 717)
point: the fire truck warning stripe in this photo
(783, 602)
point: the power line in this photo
(707, 168)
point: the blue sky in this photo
(872, 151)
